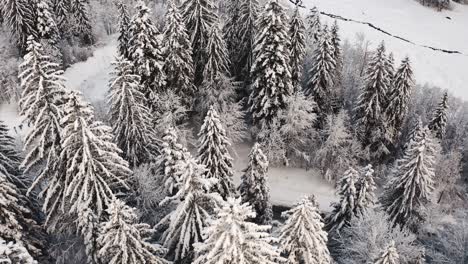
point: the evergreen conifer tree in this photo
(302, 238)
(249, 12)
(297, 47)
(171, 152)
(411, 186)
(365, 188)
(338, 57)
(130, 118)
(313, 25)
(389, 255)
(370, 111)
(62, 10)
(11, 252)
(438, 123)
(82, 23)
(46, 26)
(231, 32)
(344, 210)
(123, 241)
(146, 54)
(41, 105)
(124, 31)
(214, 154)
(10, 158)
(199, 17)
(230, 238)
(94, 169)
(399, 97)
(322, 75)
(271, 74)
(178, 66)
(20, 18)
(254, 189)
(195, 208)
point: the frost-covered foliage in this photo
(231, 238)
(339, 150)
(11, 252)
(438, 122)
(399, 97)
(17, 221)
(213, 153)
(271, 72)
(302, 238)
(239, 33)
(130, 118)
(193, 212)
(389, 255)
(297, 47)
(46, 26)
(411, 186)
(367, 235)
(370, 110)
(146, 53)
(445, 235)
(124, 31)
(20, 18)
(123, 241)
(313, 25)
(170, 111)
(81, 18)
(449, 187)
(199, 17)
(322, 75)
(254, 188)
(365, 188)
(178, 65)
(10, 158)
(94, 169)
(344, 210)
(171, 152)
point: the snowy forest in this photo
(225, 132)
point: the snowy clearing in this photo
(420, 24)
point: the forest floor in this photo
(412, 21)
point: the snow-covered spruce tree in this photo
(41, 104)
(195, 209)
(178, 65)
(214, 154)
(82, 23)
(370, 110)
(322, 76)
(399, 97)
(344, 210)
(271, 72)
(231, 238)
(438, 122)
(411, 185)
(10, 158)
(123, 241)
(365, 188)
(338, 76)
(20, 19)
(389, 255)
(302, 238)
(130, 118)
(171, 152)
(46, 26)
(62, 16)
(254, 189)
(11, 252)
(146, 53)
(124, 31)
(231, 32)
(17, 222)
(313, 25)
(199, 17)
(297, 48)
(339, 150)
(94, 169)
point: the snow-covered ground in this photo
(417, 23)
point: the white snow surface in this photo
(417, 23)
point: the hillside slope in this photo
(419, 24)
